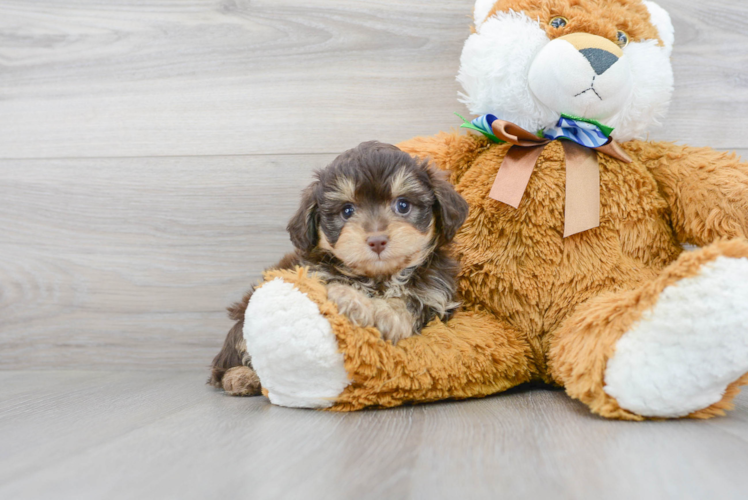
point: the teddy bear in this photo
(592, 259)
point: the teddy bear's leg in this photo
(308, 355)
(675, 346)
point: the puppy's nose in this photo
(377, 243)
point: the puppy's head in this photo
(378, 210)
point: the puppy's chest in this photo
(386, 289)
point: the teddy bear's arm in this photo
(308, 354)
(450, 151)
(707, 191)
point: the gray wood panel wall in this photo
(151, 154)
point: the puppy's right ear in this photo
(303, 225)
(451, 208)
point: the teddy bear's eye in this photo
(559, 22)
(623, 39)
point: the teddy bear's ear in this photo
(661, 20)
(481, 10)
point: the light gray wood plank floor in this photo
(94, 435)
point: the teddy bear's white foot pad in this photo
(293, 348)
(681, 356)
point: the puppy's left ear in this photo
(303, 225)
(451, 209)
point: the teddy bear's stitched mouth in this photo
(592, 88)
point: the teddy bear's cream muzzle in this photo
(582, 75)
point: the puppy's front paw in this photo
(394, 327)
(241, 381)
(352, 304)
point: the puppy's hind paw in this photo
(241, 381)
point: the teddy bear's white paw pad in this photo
(681, 356)
(293, 348)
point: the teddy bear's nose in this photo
(600, 52)
(599, 59)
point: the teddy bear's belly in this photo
(516, 262)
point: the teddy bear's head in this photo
(529, 61)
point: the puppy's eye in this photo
(348, 211)
(623, 39)
(402, 206)
(559, 22)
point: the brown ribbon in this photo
(582, 174)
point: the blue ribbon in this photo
(583, 132)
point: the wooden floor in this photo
(95, 435)
(151, 154)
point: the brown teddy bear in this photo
(573, 266)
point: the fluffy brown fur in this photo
(539, 306)
(374, 226)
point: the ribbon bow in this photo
(580, 140)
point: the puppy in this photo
(374, 226)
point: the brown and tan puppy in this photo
(374, 226)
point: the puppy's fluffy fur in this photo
(374, 225)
